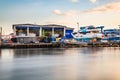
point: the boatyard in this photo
(59, 39)
(59, 36)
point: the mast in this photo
(78, 26)
(78, 29)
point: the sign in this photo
(68, 34)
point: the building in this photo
(29, 32)
(0, 35)
(112, 34)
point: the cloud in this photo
(105, 8)
(93, 1)
(57, 12)
(74, 1)
(71, 13)
(68, 13)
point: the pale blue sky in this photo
(65, 12)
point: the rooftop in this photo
(49, 25)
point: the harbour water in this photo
(60, 64)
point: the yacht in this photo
(112, 35)
(88, 33)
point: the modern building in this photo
(32, 31)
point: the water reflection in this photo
(6, 54)
(19, 53)
(37, 52)
(60, 64)
(92, 50)
(0, 53)
(54, 51)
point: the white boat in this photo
(87, 33)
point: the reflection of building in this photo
(0, 35)
(0, 53)
(31, 31)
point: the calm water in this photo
(60, 64)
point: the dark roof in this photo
(26, 25)
(111, 30)
(49, 25)
(55, 25)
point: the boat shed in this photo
(32, 31)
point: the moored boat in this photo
(87, 33)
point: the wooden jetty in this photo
(31, 45)
(58, 45)
(97, 44)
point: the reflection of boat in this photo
(87, 33)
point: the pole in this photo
(78, 29)
(78, 25)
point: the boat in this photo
(112, 35)
(88, 33)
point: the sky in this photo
(63, 12)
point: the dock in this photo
(77, 45)
(32, 45)
(58, 45)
